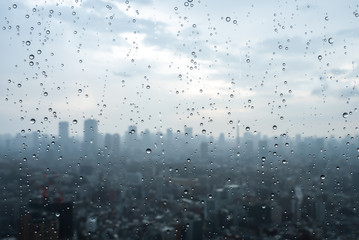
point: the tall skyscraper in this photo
(188, 131)
(204, 151)
(116, 144)
(64, 130)
(90, 136)
(108, 142)
(64, 139)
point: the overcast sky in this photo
(167, 64)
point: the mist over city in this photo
(177, 185)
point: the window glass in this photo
(148, 119)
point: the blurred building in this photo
(90, 144)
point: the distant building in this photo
(131, 137)
(64, 139)
(188, 131)
(116, 144)
(90, 143)
(108, 141)
(63, 130)
(204, 151)
(194, 229)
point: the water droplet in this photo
(148, 150)
(31, 57)
(284, 161)
(32, 121)
(148, 87)
(228, 19)
(204, 131)
(28, 43)
(326, 18)
(248, 60)
(274, 127)
(248, 128)
(74, 121)
(46, 94)
(19, 85)
(79, 91)
(320, 57)
(57, 214)
(330, 40)
(322, 177)
(14, 6)
(39, 51)
(210, 196)
(345, 115)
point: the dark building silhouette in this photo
(47, 221)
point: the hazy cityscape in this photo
(177, 185)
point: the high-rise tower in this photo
(64, 139)
(90, 136)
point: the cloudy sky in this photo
(167, 64)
